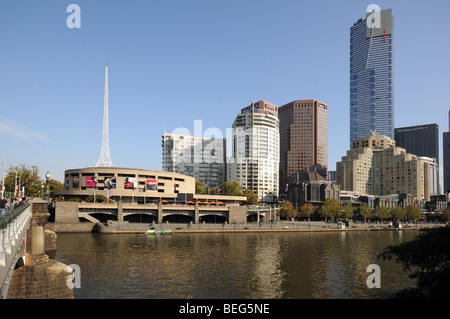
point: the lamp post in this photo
(47, 192)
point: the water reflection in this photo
(232, 265)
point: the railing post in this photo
(7, 240)
(2, 248)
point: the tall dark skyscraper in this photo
(372, 75)
(420, 140)
(446, 151)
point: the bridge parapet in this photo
(13, 228)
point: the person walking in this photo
(3, 205)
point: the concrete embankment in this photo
(282, 226)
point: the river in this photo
(284, 265)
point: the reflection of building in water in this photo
(266, 269)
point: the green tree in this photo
(252, 198)
(348, 210)
(232, 188)
(28, 176)
(398, 212)
(382, 212)
(307, 210)
(365, 211)
(446, 214)
(413, 212)
(427, 258)
(331, 209)
(287, 210)
(199, 187)
(53, 186)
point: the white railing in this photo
(13, 228)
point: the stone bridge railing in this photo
(13, 226)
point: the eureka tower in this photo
(372, 75)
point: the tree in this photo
(232, 188)
(252, 199)
(446, 213)
(427, 257)
(287, 210)
(53, 186)
(331, 208)
(348, 210)
(29, 179)
(199, 187)
(398, 212)
(307, 210)
(382, 212)
(413, 212)
(365, 211)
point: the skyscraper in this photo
(255, 150)
(303, 137)
(420, 140)
(372, 75)
(199, 157)
(446, 151)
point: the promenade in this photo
(280, 226)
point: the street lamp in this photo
(47, 193)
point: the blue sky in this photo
(173, 62)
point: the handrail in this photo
(10, 216)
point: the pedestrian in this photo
(3, 205)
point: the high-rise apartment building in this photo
(376, 166)
(372, 75)
(202, 158)
(255, 150)
(303, 137)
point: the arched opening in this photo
(140, 218)
(177, 219)
(213, 219)
(253, 217)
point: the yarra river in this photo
(282, 265)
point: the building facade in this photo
(420, 140)
(376, 166)
(372, 75)
(202, 158)
(446, 156)
(255, 150)
(303, 137)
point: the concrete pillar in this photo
(196, 214)
(120, 211)
(160, 212)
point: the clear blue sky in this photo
(172, 62)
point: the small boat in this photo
(159, 232)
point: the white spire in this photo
(105, 158)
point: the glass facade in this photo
(372, 77)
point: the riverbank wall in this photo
(114, 227)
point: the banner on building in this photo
(91, 182)
(130, 183)
(151, 184)
(110, 183)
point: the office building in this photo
(372, 75)
(303, 138)
(376, 166)
(202, 158)
(420, 140)
(446, 156)
(255, 150)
